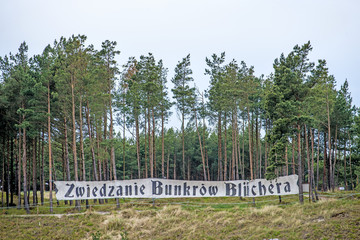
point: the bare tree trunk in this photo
(204, 142)
(183, 143)
(250, 145)
(220, 175)
(174, 163)
(312, 167)
(335, 158)
(234, 147)
(66, 154)
(34, 172)
(87, 111)
(66, 151)
(82, 147)
(345, 180)
(207, 162)
(257, 166)
(3, 173)
(351, 178)
(42, 174)
(138, 145)
(325, 163)
(201, 148)
(162, 146)
(124, 166)
(24, 160)
(12, 176)
(301, 196)
(105, 159)
(225, 147)
(50, 151)
(239, 164)
(260, 152)
(311, 194)
(112, 149)
(154, 142)
(77, 203)
(317, 162)
(293, 155)
(82, 153)
(243, 150)
(188, 169)
(329, 139)
(8, 171)
(98, 140)
(151, 155)
(145, 144)
(286, 159)
(19, 169)
(168, 166)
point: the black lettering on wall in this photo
(103, 191)
(128, 190)
(157, 187)
(271, 186)
(262, 189)
(70, 190)
(252, 190)
(111, 191)
(203, 190)
(287, 187)
(194, 190)
(119, 191)
(177, 190)
(142, 188)
(278, 187)
(80, 191)
(168, 189)
(230, 189)
(94, 191)
(186, 190)
(213, 190)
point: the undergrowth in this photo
(335, 216)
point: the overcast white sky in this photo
(255, 31)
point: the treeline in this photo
(59, 110)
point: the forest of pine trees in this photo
(71, 113)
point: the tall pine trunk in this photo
(138, 145)
(154, 142)
(345, 180)
(225, 147)
(19, 169)
(312, 165)
(42, 174)
(50, 150)
(220, 176)
(151, 156)
(300, 172)
(24, 160)
(311, 195)
(162, 146)
(34, 175)
(331, 176)
(250, 144)
(91, 141)
(317, 161)
(183, 143)
(201, 147)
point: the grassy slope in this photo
(207, 218)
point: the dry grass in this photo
(309, 221)
(216, 218)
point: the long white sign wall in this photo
(164, 188)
